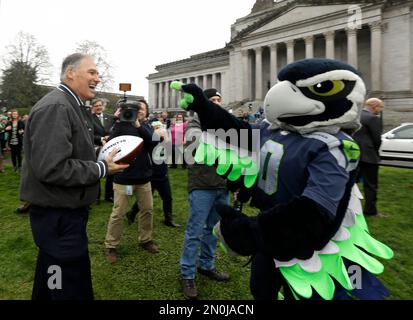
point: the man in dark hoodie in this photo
(133, 181)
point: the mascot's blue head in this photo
(316, 95)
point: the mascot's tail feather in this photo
(350, 250)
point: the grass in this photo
(139, 275)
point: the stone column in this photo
(246, 76)
(258, 73)
(160, 96)
(174, 96)
(167, 96)
(376, 55)
(329, 35)
(155, 96)
(205, 82)
(152, 95)
(198, 81)
(214, 81)
(352, 51)
(218, 80)
(309, 47)
(273, 64)
(290, 51)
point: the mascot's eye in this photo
(327, 88)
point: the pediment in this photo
(300, 14)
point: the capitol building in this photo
(374, 36)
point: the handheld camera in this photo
(129, 108)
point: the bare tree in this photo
(98, 52)
(27, 51)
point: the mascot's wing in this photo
(231, 161)
(352, 242)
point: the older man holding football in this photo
(60, 178)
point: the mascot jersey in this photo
(313, 165)
(310, 231)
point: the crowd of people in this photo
(61, 179)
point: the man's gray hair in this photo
(71, 62)
(94, 101)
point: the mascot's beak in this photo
(286, 100)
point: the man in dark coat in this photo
(369, 140)
(102, 124)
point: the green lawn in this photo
(141, 275)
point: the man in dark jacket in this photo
(369, 140)
(60, 179)
(102, 124)
(133, 181)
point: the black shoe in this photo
(109, 200)
(24, 208)
(189, 289)
(170, 223)
(214, 274)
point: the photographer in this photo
(133, 181)
(159, 179)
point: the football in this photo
(128, 149)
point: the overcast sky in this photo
(137, 35)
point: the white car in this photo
(397, 144)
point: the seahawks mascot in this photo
(310, 237)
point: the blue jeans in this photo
(198, 234)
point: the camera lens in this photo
(129, 111)
(128, 114)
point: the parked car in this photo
(397, 144)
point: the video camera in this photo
(129, 110)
